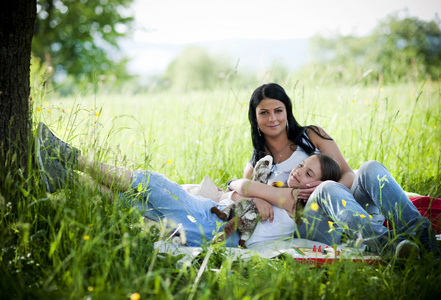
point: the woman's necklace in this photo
(283, 151)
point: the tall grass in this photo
(77, 244)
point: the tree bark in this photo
(17, 20)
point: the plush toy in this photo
(243, 214)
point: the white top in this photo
(282, 170)
(283, 225)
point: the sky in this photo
(182, 22)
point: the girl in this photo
(315, 167)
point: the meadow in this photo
(76, 244)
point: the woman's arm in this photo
(248, 172)
(280, 197)
(264, 208)
(330, 148)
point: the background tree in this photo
(196, 68)
(79, 37)
(397, 47)
(17, 19)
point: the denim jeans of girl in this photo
(157, 198)
(360, 212)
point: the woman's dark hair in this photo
(330, 168)
(296, 133)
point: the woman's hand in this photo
(265, 209)
(304, 193)
(239, 185)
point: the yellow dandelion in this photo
(314, 206)
(353, 100)
(90, 288)
(62, 110)
(67, 129)
(97, 114)
(135, 296)
(169, 162)
(370, 216)
(412, 131)
(395, 129)
(200, 121)
(331, 224)
(434, 127)
(243, 103)
(279, 184)
(86, 237)
(375, 103)
(39, 108)
(343, 202)
(48, 111)
(362, 216)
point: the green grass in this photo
(75, 244)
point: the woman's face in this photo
(271, 117)
(307, 172)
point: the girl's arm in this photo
(281, 197)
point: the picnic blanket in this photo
(301, 250)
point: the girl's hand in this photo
(265, 209)
(304, 193)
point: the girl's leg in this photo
(375, 188)
(332, 210)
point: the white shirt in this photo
(282, 170)
(283, 225)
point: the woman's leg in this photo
(118, 178)
(156, 197)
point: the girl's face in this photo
(271, 117)
(308, 171)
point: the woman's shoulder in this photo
(315, 131)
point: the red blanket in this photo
(431, 208)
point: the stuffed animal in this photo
(243, 214)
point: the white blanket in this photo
(299, 249)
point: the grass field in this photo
(74, 244)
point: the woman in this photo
(356, 205)
(151, 193)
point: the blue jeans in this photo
(156, 197)
(375, 195)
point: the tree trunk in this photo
(17, 19)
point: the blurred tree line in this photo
(78, 39)
(399, 48)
